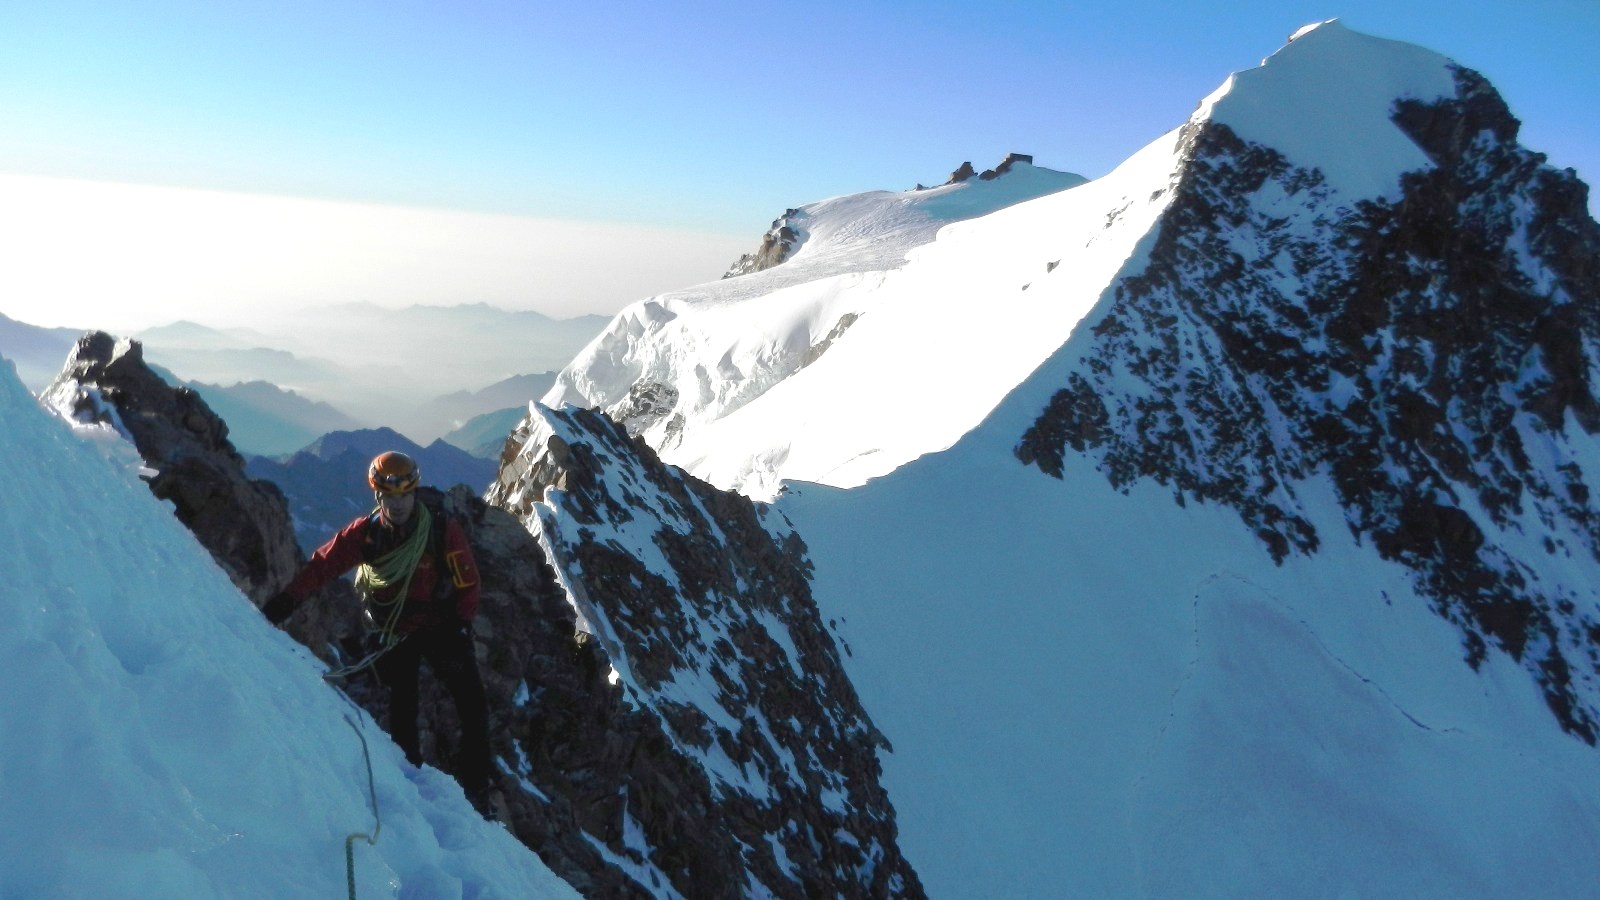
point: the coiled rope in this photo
(393, 568)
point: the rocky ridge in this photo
(966, 171)
(703, 604)
(601, 786)
(244, 523)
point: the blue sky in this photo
(709, 116)
(704, 120)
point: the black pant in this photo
(449, 653)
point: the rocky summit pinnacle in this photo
(1430, 352)
(188, 458)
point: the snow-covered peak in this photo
(900, 319)
(698, 355)
(1307, 29)
(873, 231)
(860, 232)
(1325, 101)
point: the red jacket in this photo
(429, 603)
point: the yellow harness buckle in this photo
(461, 571)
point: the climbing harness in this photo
(395, 567)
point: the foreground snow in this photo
(159, 739)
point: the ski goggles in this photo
(402, 483)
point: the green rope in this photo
(377, 822)
(395, 567)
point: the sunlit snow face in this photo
(395, 508)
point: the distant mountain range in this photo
(424, 371)
(38, 352)
(326, 482)
(267, 420)
(485, 435)
(474, 416)
(420, 370)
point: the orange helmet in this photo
(393, 473)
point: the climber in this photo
(419, 592)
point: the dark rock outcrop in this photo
(243, 523)
(815, 351)
(962, 173)
(1005, 166)
(1432, 353)
(780, 241)
(647, 403)
(703, 606)
(965, 171)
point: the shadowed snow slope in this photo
(159, 739)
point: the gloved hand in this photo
(280, 607)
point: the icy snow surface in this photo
(159, 739)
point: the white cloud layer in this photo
(124, 257)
